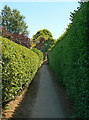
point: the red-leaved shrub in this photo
(17, 38)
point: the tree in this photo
(17, 38)
(42, 33)
(43, 40)
(40, 42)
(47, 44)
(13, 21)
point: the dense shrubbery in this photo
(17, 38)
(69, 59)
(47, 44)
(40, 43)
(43, 40)
(0, 71)
(40, 54)
(19, 65)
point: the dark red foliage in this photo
(17, 38)
(42, 39)
(21, 39)
(40, 43)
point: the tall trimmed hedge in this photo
(69, 59)
(19, 66)
(40, 54)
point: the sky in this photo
(53, 16)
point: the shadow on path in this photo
(45, 98)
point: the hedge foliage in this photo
(19, 65)
(69, 59)
(0, 72)
(40, 54)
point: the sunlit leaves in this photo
(13, 21)
(19, 65)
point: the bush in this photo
(19, 66)
(40, 54)
(69, 60)
(17, 38)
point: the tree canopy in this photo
(42, 33)
(13, 21)
(47, 44)
(43, 40)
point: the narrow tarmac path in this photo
(45, 98)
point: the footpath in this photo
(45, 98)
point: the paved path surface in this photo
(45, 98)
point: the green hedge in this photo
(40, 54)
(19, 66)
(69, 59)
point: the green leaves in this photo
(19, 66)
(69, 60)
(42, 33)
(40, 54)
(43, 40)
(13, 21)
